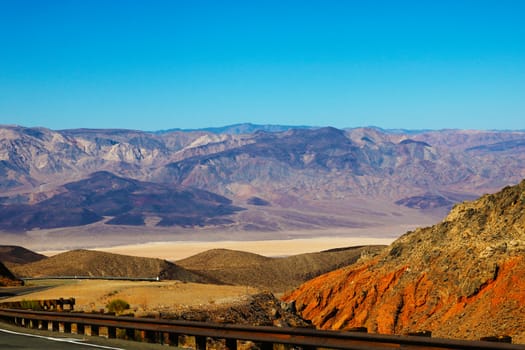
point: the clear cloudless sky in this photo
(155, 64)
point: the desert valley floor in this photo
(186, 242)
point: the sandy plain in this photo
(280, 231)
(289, 243)
(174, 251)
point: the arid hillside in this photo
(218, 266)
(275, 274)
(7, 278)
(10, 254)
(99, 264)
(461, 278)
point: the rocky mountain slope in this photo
(99, 264)
(328, 163)
(321, 169)
(461, 278)
(126, 201)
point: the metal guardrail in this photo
(168, 331)
(43, 304)
(79, 277)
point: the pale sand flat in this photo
(176, 250)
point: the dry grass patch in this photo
(143, 297)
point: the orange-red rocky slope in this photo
(462, 278)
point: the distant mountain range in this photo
(242, 128)
(255, 177)
(249, 128)
(126, 201)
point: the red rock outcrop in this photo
(462, 278)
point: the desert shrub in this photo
(31, 305)
(117, 305)
(110, 294)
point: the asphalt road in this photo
(7, 292)
(16, 338)
(21, 341)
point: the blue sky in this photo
(155, 65)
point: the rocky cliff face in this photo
(462, 278)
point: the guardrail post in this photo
(173, 339)
(200, 343)
(129, 334)
(94, 330)
(150, 336)
(80, 328)
(33, 324)
(231, 344)
(158, 337)
(308, 347)
(112, 332)
(71, 304)
(164, 338)
(266, 346)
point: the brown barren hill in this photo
(461, 278)
(100, 264)
(7, 278)
(11, 254)
(275, 274)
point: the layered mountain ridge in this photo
(123, 201)
(461, 278)
(292, 168)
